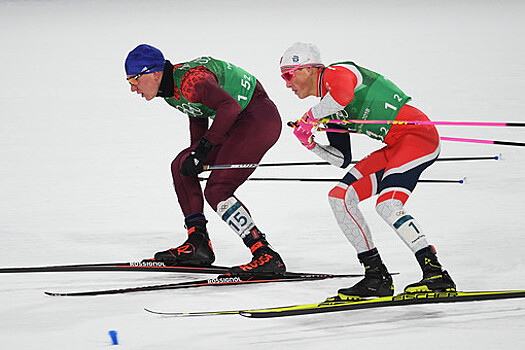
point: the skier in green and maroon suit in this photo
(245, 125)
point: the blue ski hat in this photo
(142, 57)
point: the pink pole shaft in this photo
(458, 139)
(412, 122)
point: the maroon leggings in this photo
(255, 131)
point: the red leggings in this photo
(396, 167)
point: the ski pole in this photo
(421, 122)
(460, 181)
(255, 165)
(490, 142)
(444, 138)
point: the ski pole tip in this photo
(463, 181)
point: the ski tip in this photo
(164, 313)
(159, 313)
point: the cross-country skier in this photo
(348, 91)
(245, 124)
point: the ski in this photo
(222, 280)
(335, 305)
(144, 265)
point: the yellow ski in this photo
(334, 304)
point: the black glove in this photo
(194, 163)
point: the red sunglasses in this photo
(289, 74)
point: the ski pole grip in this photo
(291, 124)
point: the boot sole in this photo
(425, 289)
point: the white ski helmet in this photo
(302, 55)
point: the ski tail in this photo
(193, 314)
(144, 265)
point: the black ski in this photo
(145, 265)
(335, 305)
(222, 280)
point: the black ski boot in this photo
(435, 279)
(265, 262)
(377, 282)
(196, 251)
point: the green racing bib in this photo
(234, 80)
(377, 98)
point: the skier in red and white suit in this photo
(351, 92)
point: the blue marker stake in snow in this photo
(114, 339)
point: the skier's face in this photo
(146, 85)
(303, 82)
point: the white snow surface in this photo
(85, 172)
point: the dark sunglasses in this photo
(134, 79)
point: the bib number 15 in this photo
(246, 83)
